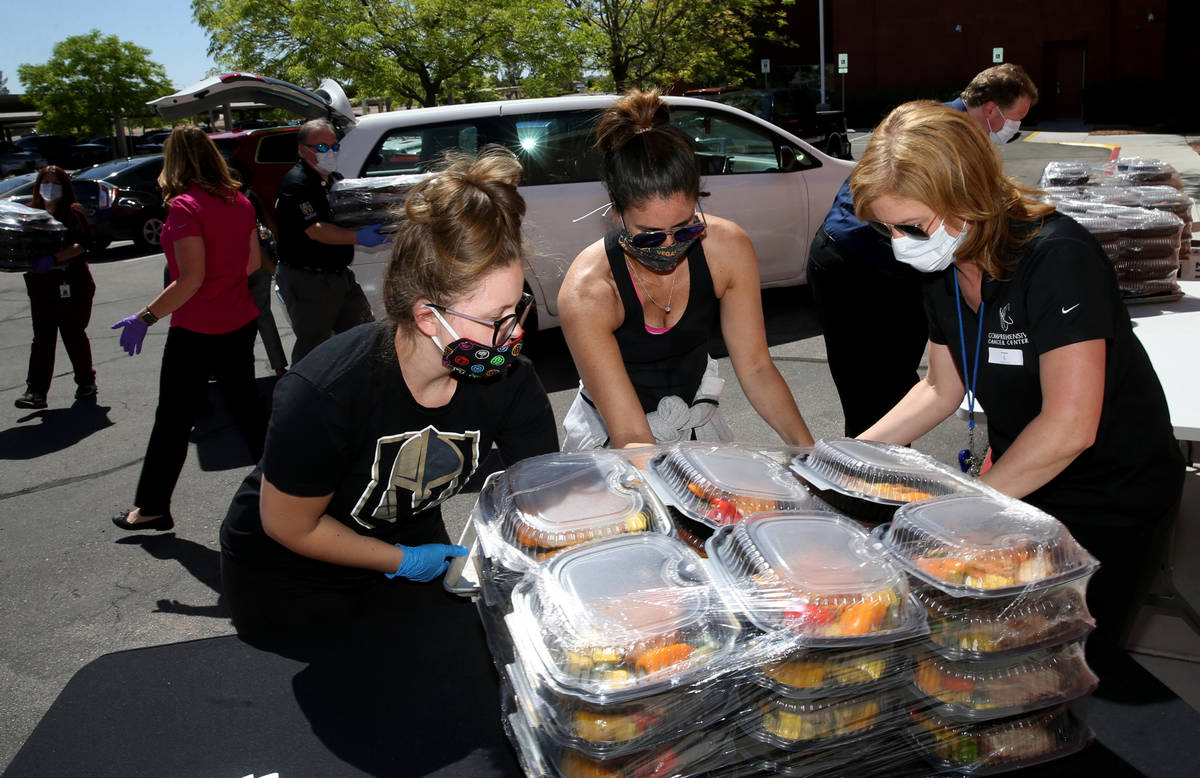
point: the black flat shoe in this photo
(164, 522)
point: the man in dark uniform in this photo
(869, 305)
(313, 275)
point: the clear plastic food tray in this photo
(984, 545)
(878, 472)
(804, 724)
(622, 618)
(621, 728)
(977, 628)
(998, 746)
(814, 580)
(1008, 686)
(544, 504)
(836, 671)
(722, 484)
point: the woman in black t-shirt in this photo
(639, 305)
(1024, 309)
(377, 426)
(60, 289)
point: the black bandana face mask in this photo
(661, 259)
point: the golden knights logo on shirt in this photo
(425, 467)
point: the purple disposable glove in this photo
(43, 264)
(370, 237)
(133, 332)
(424, 563)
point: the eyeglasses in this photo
(911, 230)
(324, 147)
(652, 238)
(502, 328)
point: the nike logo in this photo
(1068, 310)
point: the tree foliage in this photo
(422, 51)
(90, 81)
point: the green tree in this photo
(649, 42)
(423, 51)
(91, 82)
(3, 83)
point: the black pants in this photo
(52, 315)
(189, 358)
(874, 328)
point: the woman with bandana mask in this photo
(1024, 308)
(638, 306)
(339, 526)
(60, 289)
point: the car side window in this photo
(554, 148)
(279, 148)
(416, 149)
(727, 145)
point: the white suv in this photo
(773, 184)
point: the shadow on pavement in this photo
(219, 443)
(60, 428)
(202, 562)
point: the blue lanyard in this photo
(966, 456)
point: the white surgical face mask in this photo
(932, 255)
(326, 162)
(1006, 131)
(50, 192)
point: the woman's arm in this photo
(254, 262)
(930, 402)
(301, 525)
(1072, 381)
(189, 255)
(737, 285)
(591, 310)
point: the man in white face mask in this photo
(861, 286)
(313, 274)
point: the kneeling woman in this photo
(638, 306)
(379, 425)
(1023, 306)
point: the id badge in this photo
(64, 291)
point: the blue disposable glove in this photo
(133, 332)
(43, 264)
(424, 563)
(370, 237)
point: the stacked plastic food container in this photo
(1003, 585)
(27, 234)
(697, 609)
(365, 201)
(1136, 209)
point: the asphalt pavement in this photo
(75, 587)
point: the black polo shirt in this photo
(304, 201)
(1063, 290)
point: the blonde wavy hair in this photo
(931, 153)
(190, 158)
(460, 223)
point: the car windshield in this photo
(11, 187)
(101, 172)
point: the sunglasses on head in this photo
(324, 147)
(911, 230)
(652, 238)
(502, 328)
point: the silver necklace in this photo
(670, 295)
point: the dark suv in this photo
(124, 199)
(792, 108)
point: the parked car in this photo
(88, 154)
(777, 186)
(124, 199)
(55, 148)
(14, 159)
(266, 154)
(18, 189)
(791, 108)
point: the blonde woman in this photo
(1024, 309)
(211, 245)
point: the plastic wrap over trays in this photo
(361, 202)
(27, 234)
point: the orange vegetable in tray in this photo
(863, 617)
(655, 659)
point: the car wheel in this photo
(148, 234)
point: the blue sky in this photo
(165, 27)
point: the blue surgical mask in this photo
(50, 192)
(931, 255)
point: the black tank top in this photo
(672, 362)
